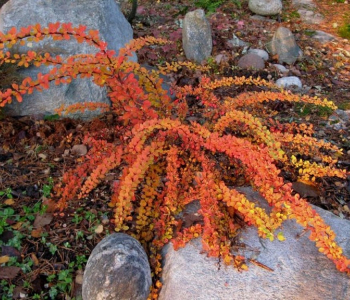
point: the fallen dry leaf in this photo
(36, 233)
(34, 259)
(305, 190)
(9, 272)
(10, 251)
(50, 205)
(17, 226)
(4, 259)
(9, 202)
(42, 220)
(99, 229)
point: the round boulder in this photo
(251, 61)
(117, 268)
(265, 7)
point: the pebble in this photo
(281, 68)
(236, 42)
(262, 53)
(289, 81)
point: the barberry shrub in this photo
(166, 158)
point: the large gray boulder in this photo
(284, 45)
(104, 16)
(196, 36)
(300, 271)
(117, 268)
(265, 7)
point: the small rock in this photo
(262, 18)
(281, 68)
(42, 156)
(221, 58)
(196, 36)
(262, 53)
(265, 7)
(295, 71)
(338, 120)
(321, 133)
(343, 114)
(66, 152)
(284, 45)
(251, 61)
(307, 4)
(117, 268)
(290, 81)
(79, 278)
(236, 42)
(310, 16)
(323, 37)
(79, 150)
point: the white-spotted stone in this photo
(117, 268)
(289, 82)
(265, 7)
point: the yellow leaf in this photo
(9, 202)
(17, 226)
(36, 233)
(34, 259)
(99, 229)
(280, 236)
(4, 259)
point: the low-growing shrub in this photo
(169, 153)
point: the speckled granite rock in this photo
(196, 36)
(300, 271)
(117, 268)
(103, 16)
(265, 7)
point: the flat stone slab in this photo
(300, 271)
(323, 37)
(308, 11)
